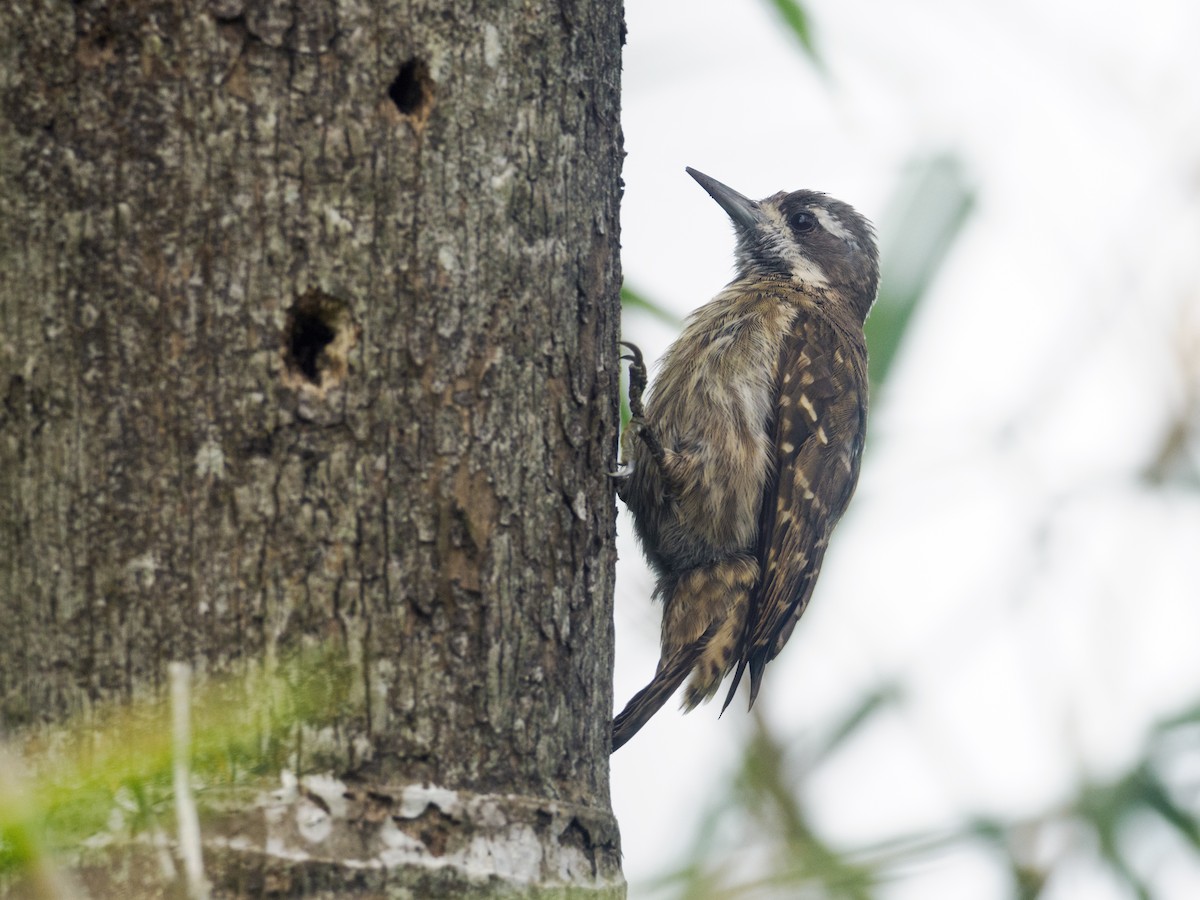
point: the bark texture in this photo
(309, 316)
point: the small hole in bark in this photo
(318, 339)
(307, 340)
(411, 89)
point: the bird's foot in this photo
(638, 430)
(637, 379)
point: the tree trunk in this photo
(309, 317)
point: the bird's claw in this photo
(635, 354)
(637, 378)
(636, 430)
(624, 470)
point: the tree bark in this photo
(309, 317)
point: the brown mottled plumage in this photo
(748, 449)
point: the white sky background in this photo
(1039, 604)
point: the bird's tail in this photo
(650, 699)
(704, 620)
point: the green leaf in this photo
(631, 299)
(797, 21)
(249, 725)
(927, 214)
(850, 723)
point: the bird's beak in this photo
(745, 212)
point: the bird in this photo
(746, 452)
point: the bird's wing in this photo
(817, 433)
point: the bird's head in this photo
(805, 235)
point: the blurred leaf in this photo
(1108, 807)
(1188, 718)
(1177, 460)
(765, 790)
(1173, 462)
(796, 18)
(631, 299)
(926, 216)
(623, 396)
(867, 706)
(119, 757)
(1158, 798)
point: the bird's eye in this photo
(803, 222)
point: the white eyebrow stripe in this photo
(832, 224)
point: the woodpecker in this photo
(747, 452)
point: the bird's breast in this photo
(712, 404)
